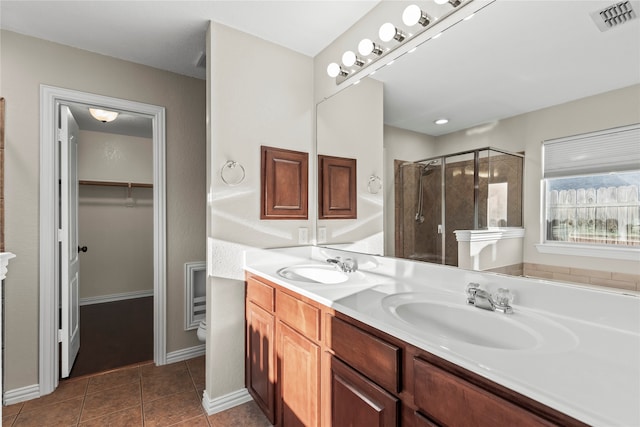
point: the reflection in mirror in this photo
(548, 72)
(477, 190)
(349, 125)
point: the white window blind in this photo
(612, 150)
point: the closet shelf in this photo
(116, 184)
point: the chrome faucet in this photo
(501, 301)
(348, 265)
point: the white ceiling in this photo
(170, 35)
(513, 57)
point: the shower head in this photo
(428, 168)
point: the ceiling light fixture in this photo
(389, 32)
(350, 59)
(334, 70)
(366, 47)
(413, 15)
(103, 116)
(454, 3)
(441, 121)
(369, 53)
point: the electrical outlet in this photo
(303, 235)
(322, 234)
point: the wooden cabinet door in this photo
(359, 402)
(284, 188)
(298, 379)
(260, 363)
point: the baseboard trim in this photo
(21, 394)
(228, 401)
(186, 353)
(116, 297)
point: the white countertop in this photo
(590, 370)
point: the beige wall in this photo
(119, 237)
(28, 62)
(258, 94)
(112, 157)
(349, 125)
(399, 144)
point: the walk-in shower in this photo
(470, 190)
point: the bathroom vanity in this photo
(396, 343)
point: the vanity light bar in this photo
(412, 16)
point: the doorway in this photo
(50, 296)
(115, 239)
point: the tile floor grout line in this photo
(84, 398)
(141, 398)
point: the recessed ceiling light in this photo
(441, 121)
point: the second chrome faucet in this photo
(500, 301)
(348, 265)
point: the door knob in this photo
(82, 249)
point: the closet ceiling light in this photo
(413, 15)
(389, 32)
(103, 116)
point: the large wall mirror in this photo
(514, 75)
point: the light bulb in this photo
(441, 1)
(349, 59)
(333, 70)
(389, 32)
(413, 15)
(366, 47)
(103, 115)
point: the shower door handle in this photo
(82, 249)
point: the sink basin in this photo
(463, 323)
(326, 274)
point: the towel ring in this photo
(232, 173)
(374, 185)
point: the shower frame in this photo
(476, 187)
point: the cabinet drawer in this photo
(374, 357)
(357, 401)
(303, 317)
(260, 293)
(450, 400)
(420, 420)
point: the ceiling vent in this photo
(614, 15)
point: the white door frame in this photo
(50, 97)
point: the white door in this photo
(69, 284)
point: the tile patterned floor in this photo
(139, 395)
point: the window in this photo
(591, 188)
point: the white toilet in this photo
(202, 331)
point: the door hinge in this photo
(60, 235)
(59, 133)
(60, 335)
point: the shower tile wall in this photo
(415, 240)
(421, 241)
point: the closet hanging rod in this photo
(116, 184)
